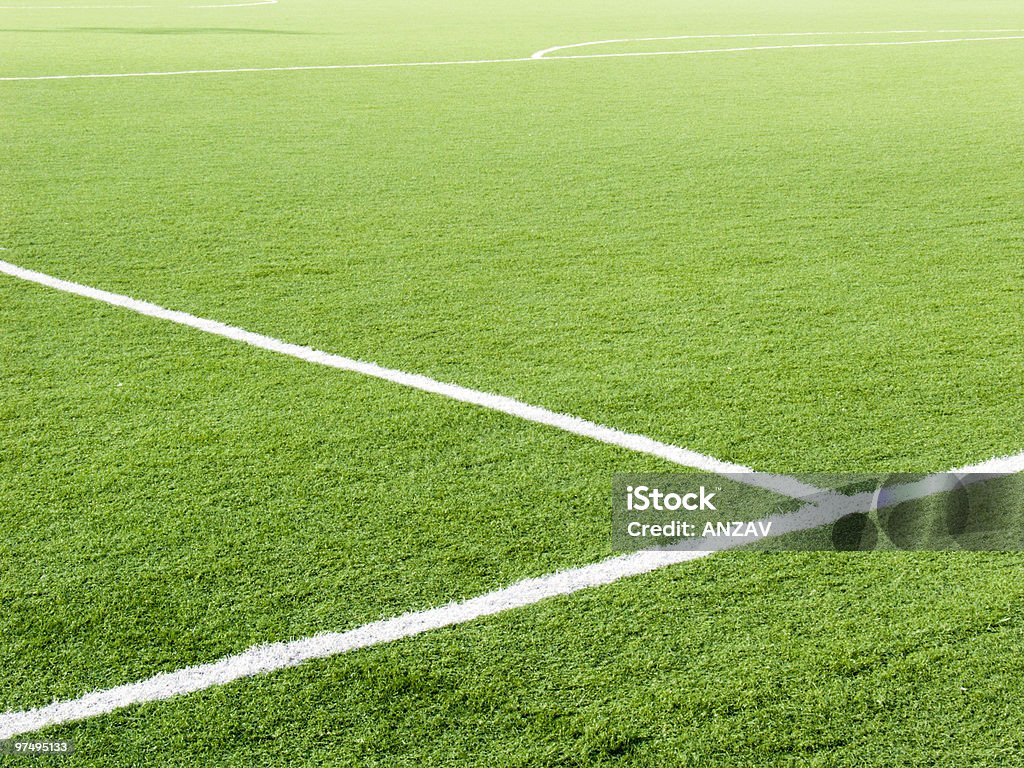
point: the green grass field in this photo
(798, 259)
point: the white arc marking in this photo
(543, 53)
(797, 46)
(538, 56)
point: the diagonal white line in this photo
(263, 659)
(781, 484)
(1000, 465)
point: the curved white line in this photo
(691, 52)
(542, 53)
(390, 65)
(128, 7)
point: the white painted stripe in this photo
(236, 5)
(532, 57)
(268, 658)
(1000, 465)
(129, 7)
(782, 484)
(541, 54)
(940, 482)
(310, 68)
(871, 44)
(263, 659)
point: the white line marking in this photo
(532, 57)
(781, 484)
(872, 44)
(267, 658)
(313, 67)
(128, 7)
(999, 465)
(263, 659)
(235, 5)
(541, 54)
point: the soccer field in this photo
(325, 326)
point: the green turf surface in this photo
(784, 258)
(800, 260)
(161, 510)
(821, 660)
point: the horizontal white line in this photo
(782, 484)
(235, 5)
(309, 68)
(129, 7)
(533, 57)
(541, 54)
(797, 46)
(263, 659)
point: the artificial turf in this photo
(803, 260)
(747, 660)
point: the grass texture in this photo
(803, 260)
